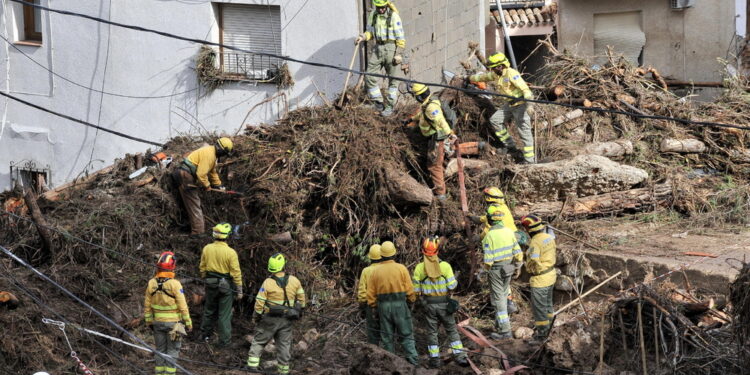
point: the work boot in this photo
(462, 361)
(413, 361)
(379, 106)
(434, 362)
(501, 336)
(387, 111)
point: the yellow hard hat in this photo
(276, 263)
(494, 194)
(387, 249)
(374, 253)
(532, 223)
(495, 214)
(225, 144)
(418, 88)
(497, 59)
(222, 230)
(380, 3)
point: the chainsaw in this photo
(478, 86)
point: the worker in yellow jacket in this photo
(220, 270)
(166, 312)
(373, 328)
(503, 259)
(540, 263)
(508, 82)
(385, 28)
(278, 304)
(433, 280)
(388, 291)
(198, 171)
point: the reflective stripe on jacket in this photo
(204, 160)
(507, 219)
(220, 258)
(541, 257)
(431, 120)
(364, 278)
(500, 246)
(379, 27)
(389, 278)
(271, 294)
(434, 287)
(159, 306)
(509, 83)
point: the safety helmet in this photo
(430, 246)
(493, 194)
(532, 223)
(374, 253)
(166, 261)
(497, 59)
(387, 249)
(225, 145)
(418, 88)
(276, 263)
(222, 230)
(41, 373)
(380, 3)
(495, 214)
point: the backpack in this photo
(285, 310)
(448, 113)
(160, 287)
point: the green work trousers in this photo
(523, 125)
(218, 305)
(280, 330)
(166, 346)
(395, 319)
(499, 290)
(373, 325)
(542, 309)
(436, 314)
(380, 58)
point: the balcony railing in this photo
(249, 66)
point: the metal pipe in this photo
(507, 37)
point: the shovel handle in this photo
(348, 74)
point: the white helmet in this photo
(41, 373)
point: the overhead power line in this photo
(343, 69)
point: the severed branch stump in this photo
(40, 222)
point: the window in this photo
(27, 174)
(32, 22)
(253, 28)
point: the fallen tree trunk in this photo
(682, 145)
(55, 194)
(576, 101)
(470, 166)
(619, 202)
(572, 115)
(620, 147)
(405, 189)
(40, 222)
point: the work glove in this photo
(398, 59)
(177, 332)
(360, 38)
(239, 294)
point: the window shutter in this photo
(252, 28)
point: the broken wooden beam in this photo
(619, 202)
(682, 146)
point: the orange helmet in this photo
(532, 223)
(430, 246)
(166, 262)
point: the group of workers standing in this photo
(278, 303)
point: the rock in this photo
(311, 335)
(523, 333)
(471, 166)
(270, 347)
(580, 176)
(572, 346)
(249, 338)
(564, 284)
(371, 359)
(284, 237)
(301, 346)
(404, 189)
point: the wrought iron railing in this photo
(249, 66)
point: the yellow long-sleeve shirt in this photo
(500, 246)
(220, 258)
(204, 160)
(434, 287)
(167, 304)
(386, 27)
(540, 260)
(431, 120)
(389, 277)
(507, 219)
(509, 83)
(364, 278)
(271, 294)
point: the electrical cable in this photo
(91, 308)
(86, 87)
(378, 75)
(41, 303)
(119, 134)
(321, 316)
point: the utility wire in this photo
(321, 316)
(91, 308)
(346, 70)
(87, 87)
(58, 114)
(41, 303)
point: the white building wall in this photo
(129, 62)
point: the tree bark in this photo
(41, 223)
(405, 189)
(682, 145)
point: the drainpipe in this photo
(507, 37)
